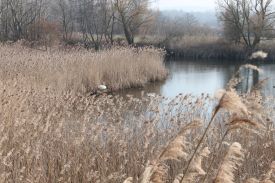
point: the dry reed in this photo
(80, 70)
(232, 160)
(68, 136)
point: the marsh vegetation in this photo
(56, 126)
(59, 133)
(79, 70)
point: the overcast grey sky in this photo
(186, 5)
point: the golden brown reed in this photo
(128, 180)
(232, 102)
(175, 150)
(49, 136)
(231, 162)
(195, 170)
(80, 70)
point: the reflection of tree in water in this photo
(249, 79)
(256, 77)
(206, 76)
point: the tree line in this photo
(247, 22)
(98, 22)
(95, 20)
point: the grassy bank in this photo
(80, 70)
(208, 48)
(205, 48)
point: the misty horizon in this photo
(186, 5)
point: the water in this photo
(197, 77)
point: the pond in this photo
(197, 77)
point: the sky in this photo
(186, 5)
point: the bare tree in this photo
(190, 24)
(95, 19)
(109, 21)
(67, 15)
(248, 21)
(132, 14)
(171, 28)
(176, 27)
(5, 19)
(18, 15)
(230, 32)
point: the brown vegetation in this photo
(205, 47)
(214, 47)
(49, 136)
(80, 70)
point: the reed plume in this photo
(231, 162)
(148, 172)
(238, 122)
(252, 180)
(175, 150)
(259, 55)
(177, 147)
(195, 169)
(129, 180)
(270, 175)
(230, 101)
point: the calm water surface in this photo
(196, 77)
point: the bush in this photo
(43, 32)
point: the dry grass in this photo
(49, 136)
(193, 41)
(80, 70)
(205, 47)
(231, 161)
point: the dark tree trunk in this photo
(129, 36)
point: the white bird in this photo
(102, 87)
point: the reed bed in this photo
(205, 47)
(214, 47)
(80, 70)
(49, 136)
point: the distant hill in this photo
(208, 18)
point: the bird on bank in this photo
(102, 87)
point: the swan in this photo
(102, 87)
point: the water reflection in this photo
(268, 72)
(197, 77)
